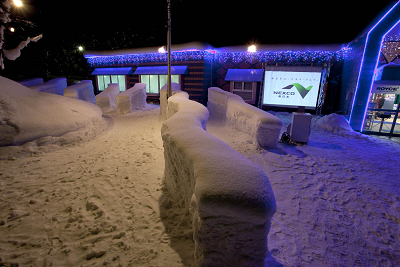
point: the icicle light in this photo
(221, 57)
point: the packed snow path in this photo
(338, 198)
(93, 204)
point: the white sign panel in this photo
(385, 89)
(286, 88)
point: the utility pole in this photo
(169, 93)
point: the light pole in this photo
(169, 93)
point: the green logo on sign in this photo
(303, 91)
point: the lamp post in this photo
(169, 93)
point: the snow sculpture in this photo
(230, 199)
(175, 87)
(108, 98)
(264, 127)
(132, 99)
(218, 103)
(82, 90)
(53, 86)
(27, 115)
(31, 82)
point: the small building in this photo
(339, 78)
(198, 66)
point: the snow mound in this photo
(27, 115)
(334, 123)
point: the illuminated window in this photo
(155, 82)
(104, 80)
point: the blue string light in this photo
(220, 57)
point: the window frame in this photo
(253, 89)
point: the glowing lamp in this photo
(80, 48)
(18, 3)
(12, 29)
(252, 48)
(161, 49)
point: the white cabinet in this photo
(300, 127)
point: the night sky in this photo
(99, 25)
(219, 23)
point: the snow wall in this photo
(27, 115)
(83, 91)
(132, 99)
(54, 86)
(262, 126)
(230, 199)
(31, 82)
(175, 87)
(108, 98)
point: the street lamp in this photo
(80, 48)
(18, 3)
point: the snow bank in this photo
(108, 98)
(83, 90)
(334, 123)
(230, 199)
(31, 82)
(132, 99)
(262, 126)
(26, 115)
(54, 86)
(175, 87)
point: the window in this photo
(245, 90)
(155, 82)
(104, 80)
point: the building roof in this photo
(199, 46)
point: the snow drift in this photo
(26, 114)
(264, 127)
(230, 199)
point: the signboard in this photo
(288, 88)
(385, 89)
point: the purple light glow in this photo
(362, 64)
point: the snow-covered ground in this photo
(101, 202)
(338, 198)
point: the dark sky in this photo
(122, 24)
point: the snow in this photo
(338, 198)
(13, 54)
(31, 82)
(27, 115)
(175, 87)
(337, 124)
(108, 98)
(264, 127)
(102, 202)
(82, 90)
(132, 99)
(54, 86)
(230, 199)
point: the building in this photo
(197, 66)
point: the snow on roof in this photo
(195, 46)
(199, 46)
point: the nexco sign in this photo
(385, 89)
